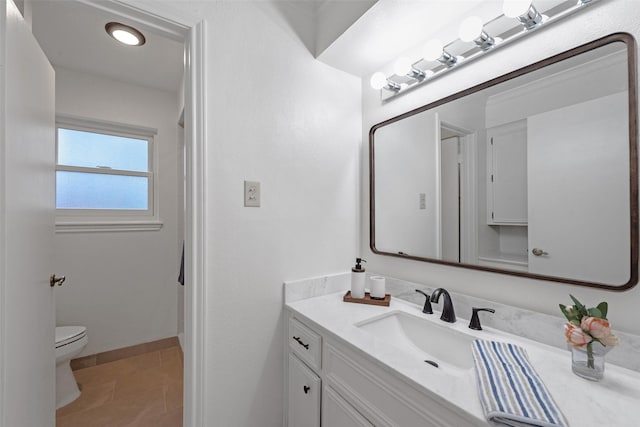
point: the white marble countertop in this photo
(614, 401)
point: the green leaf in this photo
(604, 308)
(571, 316)
(579, 307)
(563, 309)
(595, 312)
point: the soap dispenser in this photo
(357, 279)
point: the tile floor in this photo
(139, 391)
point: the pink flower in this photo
(597, 328)
(609, 341)
(576, 336)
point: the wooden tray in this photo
(367, 299)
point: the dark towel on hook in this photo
(181, 275)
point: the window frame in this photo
(79, 220)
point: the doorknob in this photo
(538, 252)
(53, 280)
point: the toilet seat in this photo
(66, 335)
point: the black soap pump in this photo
(357, 279)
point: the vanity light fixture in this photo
(404, 67)
(524, 11)
(434, 51)
(486, 37)
(472, 30)
(379, 81)
(125, 34)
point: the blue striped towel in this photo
(511, 392)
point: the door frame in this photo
(3, 25)
(468, 191)
(191, 30)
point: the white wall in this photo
(278, 116)
(401, 225)
(282, 118)
(595, 21)
(122, 285)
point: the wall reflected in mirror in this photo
(533, 175)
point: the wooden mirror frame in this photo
(633, 161)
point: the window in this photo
(104, 175)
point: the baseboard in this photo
(121, 353)
(181, 340)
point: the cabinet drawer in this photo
(305, 343)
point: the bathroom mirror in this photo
(532, 174)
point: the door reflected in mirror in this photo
(533, 173)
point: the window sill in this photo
(106, 226)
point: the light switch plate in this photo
(252, 194)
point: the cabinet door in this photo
(336, 412)
(304, 395)
(507, 174)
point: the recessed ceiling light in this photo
(125, 34)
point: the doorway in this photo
(450, 203)
(458, 193)
(191, 34)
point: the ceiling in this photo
(390, 27)
(356, 36)
(72, 35)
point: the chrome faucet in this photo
(448, 313)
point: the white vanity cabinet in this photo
(304, 385)
(507, 174)
(356, 391)
(337, 412)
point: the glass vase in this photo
(588, 362)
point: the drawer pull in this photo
(301, 343)
(306, 389)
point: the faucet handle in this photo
(427, 304)
(475, 320)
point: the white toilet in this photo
(70, 340)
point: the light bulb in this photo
(402, 66)
(433, 50)
(515, 8)
(125, 34)
(470, 29)
(378, 80)
(126, 37)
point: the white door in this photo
(578, 162)
(27, 147)
(450, 203)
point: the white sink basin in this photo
(427, 339)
